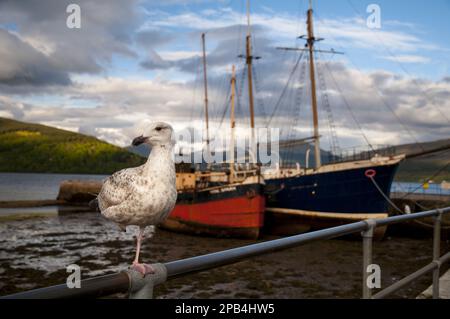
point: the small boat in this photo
(225, 202)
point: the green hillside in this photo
(26, 147)
(424, 167)
(421, 169)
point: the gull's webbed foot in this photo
(144, 269)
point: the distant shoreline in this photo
(403, 179)
(57, 173)
(33, 203)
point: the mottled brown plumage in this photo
(144, 195)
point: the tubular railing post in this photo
(436, 253)
(141, 287)
(367, 236)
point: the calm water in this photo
(419, 189)
(34, 252)
(25, 186)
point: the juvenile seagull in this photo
(144, 195)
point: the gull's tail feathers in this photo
(93, 204)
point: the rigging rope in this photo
(399, 63)
(225, 110)
(380, 96)
(334, 142)
(259, 100)
(240, 90)
(277, 105)
(194, 94)
(299, 98)
(222, 87)
(349, 108)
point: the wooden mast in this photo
(233, 122)
(205, 80)
(249, 59)
(310, 41)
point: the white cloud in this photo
(407, 58)
(179, 55)
(283, 26)
(126, 106)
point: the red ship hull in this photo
(238, 212)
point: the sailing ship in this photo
(226, 202)
(329, 194)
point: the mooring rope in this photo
(396, 207)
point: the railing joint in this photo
(141, 286)
(438, 263)
(438, 217)
(371, 225)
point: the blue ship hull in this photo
(344, 191)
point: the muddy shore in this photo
(34, 253)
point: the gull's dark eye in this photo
(159, 128)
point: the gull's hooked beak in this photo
(139, 140)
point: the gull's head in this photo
(158, 133)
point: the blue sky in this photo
(133, 62)
(428, 22)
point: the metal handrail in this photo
(124, 281)
(90, 288)
(433, 266)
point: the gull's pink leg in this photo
(138, 245)
(142, 268)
